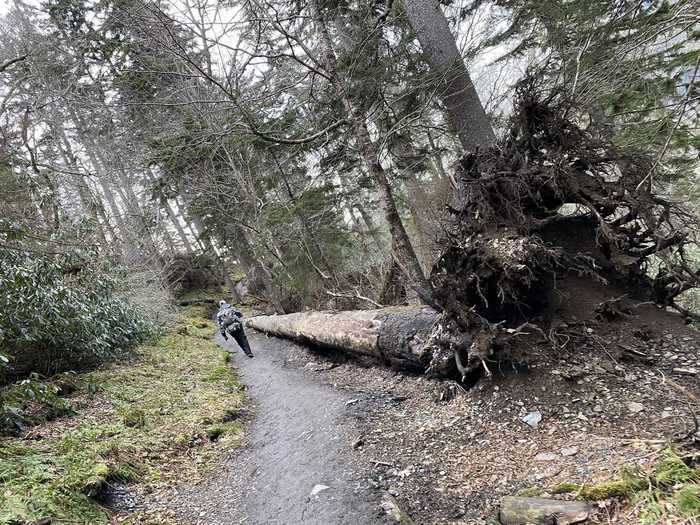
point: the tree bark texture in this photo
(458, 94)
(399, 336)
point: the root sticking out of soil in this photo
(552, 203)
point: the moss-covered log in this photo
(538, 511)
(397, 336)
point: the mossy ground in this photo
(668, 493)
(162, 417)
(249, 305)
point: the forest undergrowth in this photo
(165, 415)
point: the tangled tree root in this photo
(550, 200)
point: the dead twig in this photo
(356, 296)
(690, 400)
(382, 463)
(8, 63)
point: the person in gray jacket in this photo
(230, 321)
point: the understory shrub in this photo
(28, 402)
(62, 312)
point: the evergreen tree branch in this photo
(182, 52)
(658, 160)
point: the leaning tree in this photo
(551, 219)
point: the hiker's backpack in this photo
(230, 320)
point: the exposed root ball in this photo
(551, 199)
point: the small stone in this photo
(318, 489)
(352, 401)
(545, 456)
(393, 510)
(635, 407)
(532, 419)
(320, 367)
(608, 366)
(406, 472)
(569, 451)
(685, 371)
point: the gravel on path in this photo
(297, 466)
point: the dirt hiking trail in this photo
(445, 456)
(297, 465)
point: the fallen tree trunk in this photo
(399, 336)
(550, 227)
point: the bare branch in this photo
(7, 64)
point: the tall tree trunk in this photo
(416, 194)
(369, 224)
(403, 251)
(197, 227)
(174, 219)
(181, 206)
(169, 242)
(139, 223)
(50, 206)
(88, 202)
(100, 207)
(465, 111)
(393, 290)
(201, 233)
(102, 176)
(410, 163)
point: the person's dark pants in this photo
(241, 339)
